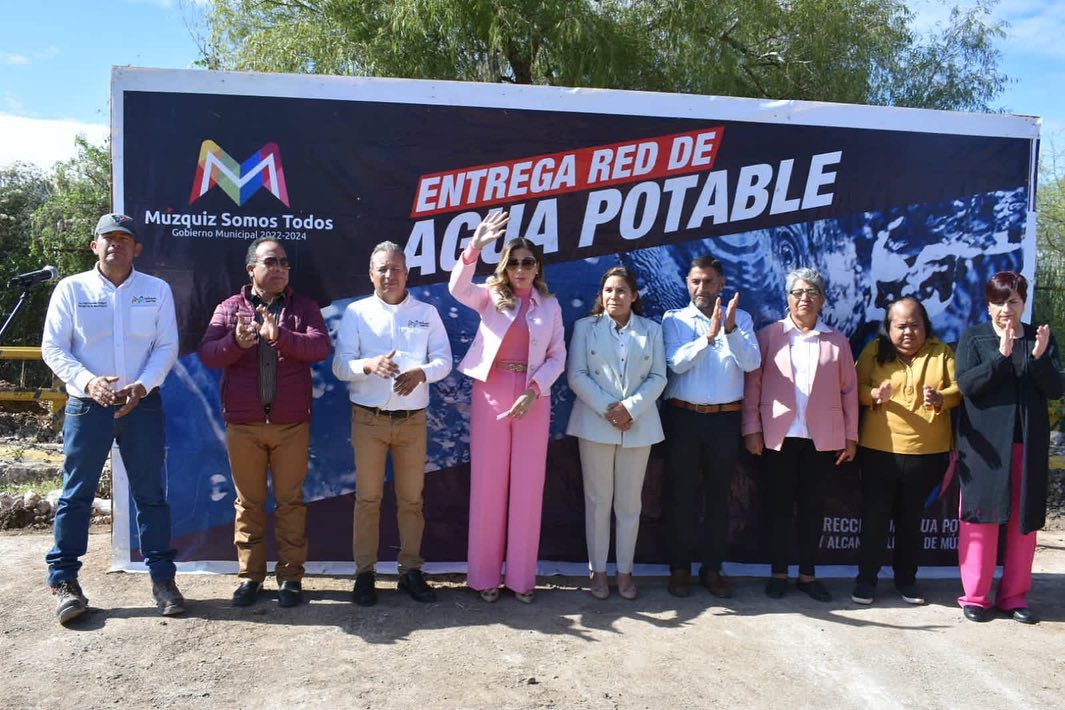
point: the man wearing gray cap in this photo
(111, 335)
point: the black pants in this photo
(894, 487)
(701, 453)
(798, 477)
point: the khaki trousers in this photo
(613, 481)
(280, 449)
(373, 436)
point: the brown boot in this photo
(678, 583)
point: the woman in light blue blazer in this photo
(617, 368)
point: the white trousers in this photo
(613, 479)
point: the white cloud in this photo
(12, 58)
(1035, 28)
(928, 14)
(43, 141)
(11, 103)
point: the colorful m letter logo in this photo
(262, 170)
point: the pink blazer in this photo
(547, 344)
(769, 392)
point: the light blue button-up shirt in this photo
(704, 372)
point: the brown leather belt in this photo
(707, 408)
(391, 413)
(511, 366)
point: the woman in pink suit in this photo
(801, 410)
(518, 353)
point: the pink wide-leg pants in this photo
(978, 550)
(507, 462)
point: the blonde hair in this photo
(499, 283)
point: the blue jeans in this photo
(88, 433)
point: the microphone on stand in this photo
(26, 282)
(32, 278)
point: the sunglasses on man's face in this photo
(526, 263)
(272, 262)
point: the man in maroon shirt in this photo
(266, 337)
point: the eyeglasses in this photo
(526, 263)
(810, 293)
(272, 262)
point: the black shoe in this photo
(911, 594)
(863, 593)
(290, 593)
(247, 593)
(413, 582)
(817, 591)
(1024, 615)
(976, 613)
(363, 593)
(776, 587)
(70, 603)
(168, 598)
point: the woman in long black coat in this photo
(1007, 371)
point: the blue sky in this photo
(56, 57)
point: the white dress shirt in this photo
(621, 337)
(94, 328)
(371, 327)
(702, 372)
(805, 352)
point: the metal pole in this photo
(18, 306)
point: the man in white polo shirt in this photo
(111, 335)
(390, 348)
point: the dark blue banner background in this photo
(922, 214)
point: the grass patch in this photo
(41, 487)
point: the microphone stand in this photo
(18, 306)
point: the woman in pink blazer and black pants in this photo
(801, 410)
(518, 353)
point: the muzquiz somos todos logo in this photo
(261, 171)
(143, 300)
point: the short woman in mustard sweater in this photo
(906, 382)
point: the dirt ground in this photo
(566, 650)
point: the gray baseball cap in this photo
(115, 223)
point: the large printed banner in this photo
(885, 202)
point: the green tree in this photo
(1051, 199)
(860, 51)
(64, 222)
(48, 218)
(1049, 303)
(23, 188)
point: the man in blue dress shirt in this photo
(709, 347)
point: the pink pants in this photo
(507, 465)
(978, 549)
